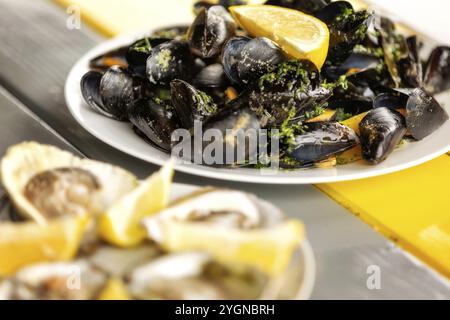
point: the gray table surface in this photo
(36, 55)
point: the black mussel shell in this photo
(116, 57)
(437, 73)
(381, 130)
(8, 213)
(292, 84)
(90, 89)
(109, 93)
(330, 12)
(424, 114)
(392, 100)
(347, 29)
(117, 90)
(155, 120)
(258, 57)
(139, 52)
(191, 104)
(169, 61)
(230, 57)
(232, 123)
(210, 31)
(410, 67)
(212, 76)
(395, 49)
(322, 141)
(306, 6)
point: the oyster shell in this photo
(76, 280)
(45, 182)
(193, 276)
(227, 208)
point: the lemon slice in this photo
(114, 290)
(300, 35)
(120, 225)
(25, 243)
(269, 250)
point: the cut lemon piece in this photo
(300, 35)
(269, 250)
(120, 225)
(25, 243)
(114, 290)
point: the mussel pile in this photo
(374, 91)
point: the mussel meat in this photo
(169, 61)
(155, 120)
(381, 130)
(109, 93)
(191, 104)
(437, 73)
(210, 31)
(116, 57)
(321, 141)
(424, 114)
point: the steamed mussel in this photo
(374, 89)
(381, 131)
(110, 93)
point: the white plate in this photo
(298, 281)
(121, 136)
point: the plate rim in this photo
(221, 173)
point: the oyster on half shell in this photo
(45, 182)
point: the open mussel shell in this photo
(331, 11)
(230, 57)
(139, 51)
(109, 93)
(169, 61)
(381, 130)
(212, 76)
(321, 141)
(155, 121)
(356, 63)
(210, 30)
(116, 57)
(424, 114)
(191, 104)
(410, 67)
(232, 125)
(437, 73)
(306, 6)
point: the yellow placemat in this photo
(411, 207)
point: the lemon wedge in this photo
(120, 225)
(114, 290)
(269, 250)
(300, 35)
(25, 243)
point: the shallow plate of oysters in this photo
(359, 97)
(79, 229)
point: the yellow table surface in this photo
(411, 207)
